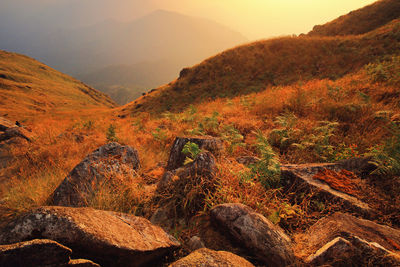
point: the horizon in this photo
(256, 20)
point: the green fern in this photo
(191, 150)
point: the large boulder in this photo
(101, 166)
(34, 253)
(346, 226)
(177, 158)
(108, 238)
(181, 193)
(352, 251)
(264, 239)
(211, 258)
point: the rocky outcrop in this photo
(352, 252)
(108, 238)
(101, 166)
(82, 263)
(195, 243)
(345, 225)
(177, 158)
(5, 124)
(266, 241)
(302, 178)
(247, 160)
(34, 253)
(211, 258)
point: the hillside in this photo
(28, 87)
(124, 83)
(280, 61)
(360, 21)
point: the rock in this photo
(301, 178)
(195, 243)
(360, 166)
(109, 238)
(177, 158)
(211, 258)
(5, 124)
(347, 226)
(267, 241)
(81, 263)
(352, 252)
(34, 253)
(102, 165)
(183, 194)
(247, 160)
(14, 132)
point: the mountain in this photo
(279, 61)
(124, 83)
(360, 21)
(28, 87)
(163, 41)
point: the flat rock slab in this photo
(347, 226)
(265, 240)
(108, 238)
(177, 158)
(81, 263)
(100, 166)
(211, 258)
(5, 124)
(353, 251)
(34, 253)
(302, 176)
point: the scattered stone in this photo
(82, 263)
(109, 238)
(195, 243)
(211, 258)
(267, 241)
(352, 252)
(102, 165)
(34, 253)
(347, 226)
(301, 177)
(177, 158)
(5, 124)
(247, 160)
(15, 132)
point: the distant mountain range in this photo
(113, 54)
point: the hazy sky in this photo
(256, 19)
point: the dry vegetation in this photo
(28, 87)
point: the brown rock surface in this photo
(302, 178)
(34, 253)
(210, 258)
(102, 165)
(109, 238)
(5, 124)
(264, 239)
(81, 263)
(347, 226)
(177, 158)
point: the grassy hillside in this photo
(28, 87)
(361, 21)
(280, 61)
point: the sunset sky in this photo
(256, 19)
(264, 18)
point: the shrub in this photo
(386, 71)
(267, 171)
(110, 134)
(286, 135)
(191, 150)
(386, 157)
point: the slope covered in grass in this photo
(280, 61)
(28, 87)
(360, 21)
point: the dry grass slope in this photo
(275, 62)
(360, 21)
(30, 87)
